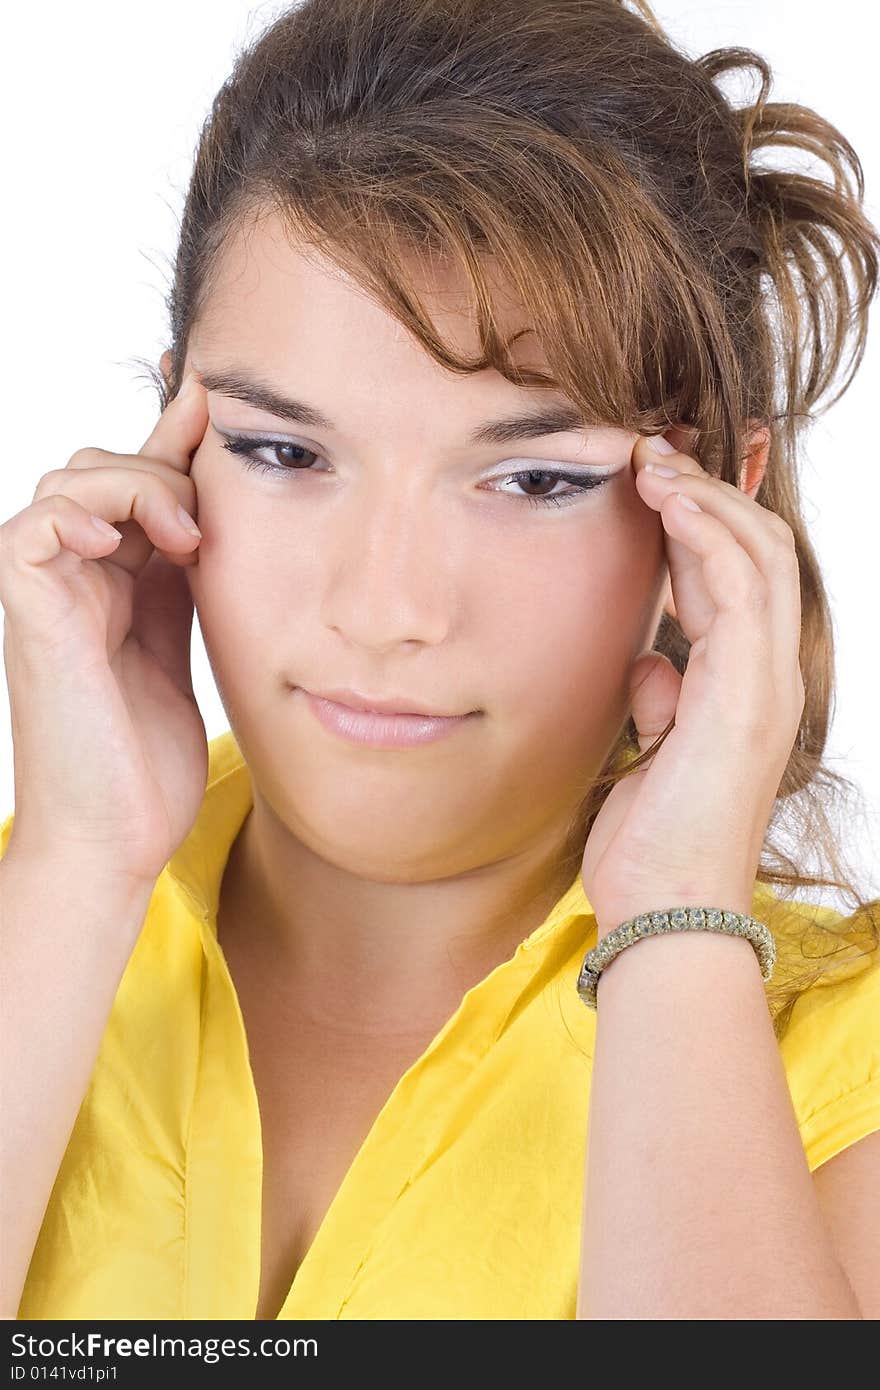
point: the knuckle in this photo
(173, 493)
(754, 595)
(784, 553)
(87, 457)
(53, 501)
(50, 483)
(783, 562)
(785, 710)
(779, 527)
(742, 583)
(183, 491)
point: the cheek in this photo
(566, 624)
(241, 611)
(566, 637)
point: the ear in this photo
(755, 463)
(751, 473)
(165, 363)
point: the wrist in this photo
(701, 925)
(107, 885)
(730, 899)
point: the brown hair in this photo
(670, 278)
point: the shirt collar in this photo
(197, 865)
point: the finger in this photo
(139, 502)
(134, 552)
(655, 686)
(88, 459)
(766, 538)
(690, 605)
(753, 638)
(162, 617)
(647, 459)
(654, 482)
(181, 426)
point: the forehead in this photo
(268, 288)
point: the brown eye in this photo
(541, 478)
(538, 479)
(297, 460)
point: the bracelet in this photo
(673, 919)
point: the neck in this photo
(377, 958)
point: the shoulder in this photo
(831, 1050)
(831, 1043)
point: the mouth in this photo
(383, 704)
(381, 728)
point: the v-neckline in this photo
(224, 1224)
(222, 1143)
(340, 1198)
(345, 1213)
(351, 1175)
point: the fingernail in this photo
(104, 527)
(662, 470)
(660, 444)
(688, 502)
(187, 522)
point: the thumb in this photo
(654, 690)
(162, 618)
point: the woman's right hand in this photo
(110, 751)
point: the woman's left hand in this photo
(689, 828)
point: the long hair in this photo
(670, 277)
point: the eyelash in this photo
(245, 448)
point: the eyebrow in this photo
(560, 418)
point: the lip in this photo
(381, 728)
(395, 704)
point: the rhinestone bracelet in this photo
(673, 919)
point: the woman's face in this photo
(401, 558)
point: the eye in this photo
(298, 461)
(577, 483)
(247, 449)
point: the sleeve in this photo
(831, 1052)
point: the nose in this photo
(388, 577)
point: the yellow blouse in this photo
(464, 1200)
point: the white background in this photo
(102, 104)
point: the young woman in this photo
(475, 391)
